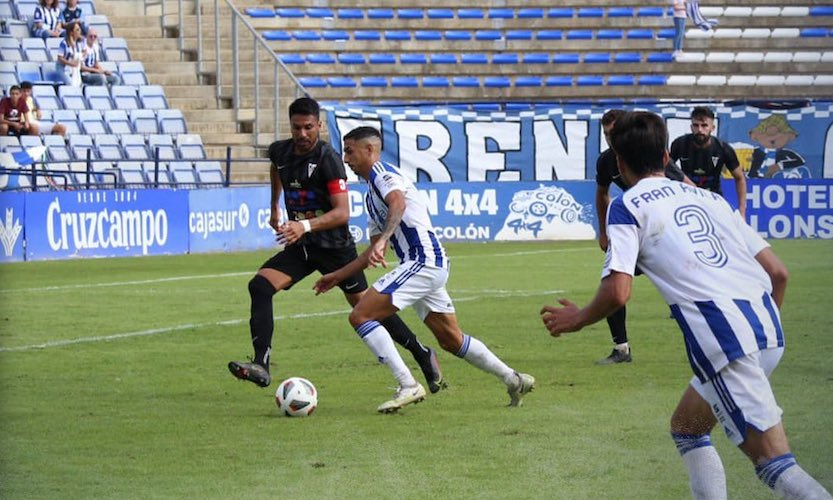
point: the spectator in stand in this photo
(46, 21)
(679, 27)
(35, 125)
(91, 71)
(70, 54)
(13, 113)
(72, 12)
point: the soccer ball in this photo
(296, 397)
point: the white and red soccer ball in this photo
(296, 397)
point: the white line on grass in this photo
(229, 322)
(232, 275)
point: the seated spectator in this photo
(13, 113)
(70, 54)
(34, 116)
(72, 12)
(46, 21)
(91, 71)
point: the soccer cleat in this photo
(252, 372)
(616, 356)
(403, 397)
(433, 375)
(524, 385)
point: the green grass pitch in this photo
(113, 384)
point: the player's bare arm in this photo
(613, 293)
(360, 263)
(602, 202)
(777, 272)
(277, 189)
(395, 200)
(740, 188)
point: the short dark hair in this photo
(611, 116)
(360, 133)
(305, 106)
(702, 112)
(13, 88)
(25, 85)
(639, 138)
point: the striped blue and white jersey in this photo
(50, 17)
(414, 239)
(701, 257)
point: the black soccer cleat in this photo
(431, 370)
(615, 357)
(252, 372)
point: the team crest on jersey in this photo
(715, 160)
(311, 168)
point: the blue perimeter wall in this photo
(83, 224)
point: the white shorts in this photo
(740, 395)
(415, 284)
(43, 127)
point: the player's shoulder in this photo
(278, 150)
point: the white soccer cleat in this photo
(403, 397)
(524, 385)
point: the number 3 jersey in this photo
(414, 238)
(701, 257)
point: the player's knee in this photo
(261, 288)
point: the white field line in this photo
(245, 273)
(230, 322)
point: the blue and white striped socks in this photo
(788, 479)
(476, 353)
(378, 340)
(706, 477)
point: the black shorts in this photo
(299, 261)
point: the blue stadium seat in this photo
(428, 35)
(153, 97)
(131, 174)
(258, 12)
(351, 58)
(665, 33)
(470, 14)
(132, 73)
(609, 34)
(52, 74)
(501, 13)
(118, 121)
(505, 58)
(162, 146)
(306, 35)
(320, 58)
(350, 14)
(398, 35)
(367, 35)
(650, 12)
(620, 12)
(660, 57)
(35, 50)
(627, 57)
(597, 57)
(590, 12)
(134, 147)
(528, 81)
(7, 11)
(320, 12)
(474, 58)
(410, 13)
(374, 81)
(100, 23)
(435, 81)
(412, 58)
(80, 145)
(380, 13)
(531, 13)
(813, 32)
(340, 82)
(157, 174)
(558, 81)
(440, 14)
(68, 118)
(821, 10)
(560, 12)
(72, 97)
(620, 80)
(589, 80)
(335, 35)
(381, 58)
(277, 35)
(312, 81)
(465, 81)
(171, 121)
(443, 58)
(28, 71)
(115, 49)
(640, 34)
(565, 58)
(209, 172)
(487, 35)
(190, 147)
(292, 58)
(549, 35)
(458, 35)
(92, 123)
(184, 175)
(579, 35)
(144, 121)
(536, 58)
(125, 97)
(404, 81)
(289, 12)
(653, 80)
(519, 35)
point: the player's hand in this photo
(376, 253)
(275, 219)
(559, 320)
(603, 242)
(325, 283)
(290, 232)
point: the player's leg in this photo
(618, 331)
(366, 319)
(691, 427)
(276, 274)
